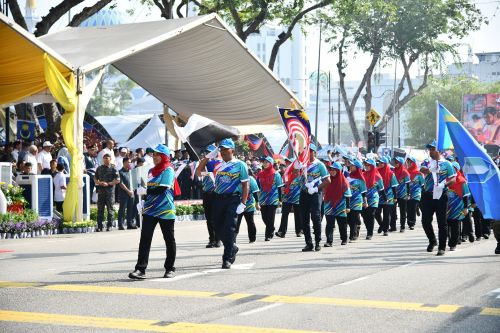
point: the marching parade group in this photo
(343, 189)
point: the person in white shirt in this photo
(30, 157)
(119, 158)
(107, 150)
(17, 148)
(59, 187)
(148, 158)
(44, 157)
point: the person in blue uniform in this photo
(231, 195)
(416, 184)
(158, 208)
(358, 201)
(439, 175)
(251, 205)
(337, 205)
(291, 200)
(375, 188)
(387, 202)
(458, 206)
(402, 190)
(208, 187)
(313, 182)
(270, 184)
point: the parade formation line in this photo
(309, 300)
(134, 324)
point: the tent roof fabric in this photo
(152, 134)
(193, 65)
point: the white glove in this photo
(297, 165)
(241, 208)
(141, 191)
(309, 185)
(213, 154)
(312, 190)
(441, 185)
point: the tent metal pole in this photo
(165, 115)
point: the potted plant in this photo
(14, 197)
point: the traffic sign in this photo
(373, 117)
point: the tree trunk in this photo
(53, 118)
(16, 13)
(55, 13)
(88, 12)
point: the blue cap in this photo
(411, 158)
(425, 163)
(269, 159)
(335, 165)
(399, 159)
(371, 161)
(433, 144)
(386, 160)
(357, 163)
(162, 149)
(227, 143)
(210, 148)
(312, 147)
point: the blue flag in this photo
(483, 176)
(443, 135)
(25, 130)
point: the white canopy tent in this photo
(120, 127)
(193, 65)
(150, 136)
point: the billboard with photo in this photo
(481, 116)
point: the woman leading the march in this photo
(158, 208)
(270, 184)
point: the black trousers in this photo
(268, 215)
(429, 208)
(496, 230)
(411, 212)
(467, 226)
(354, 223)
(225, 222)
(378, 215)
(369, 219)
(59, 206)
(105, 200)
(310, 205)
(148, 227)
(454, 232)
(252, 230)
(330, 226)
(393, 217)
(387, 212)
(126, 210)
(402, 203)
(297, 216)
(208, 204)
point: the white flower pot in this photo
(23, 234)
(55, 231)
(78, 230)
(7, 236)
(33, 234)
(15, 236)
(2, 235)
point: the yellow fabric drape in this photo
(21, 66)
(65, 94)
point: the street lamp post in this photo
(317, 89)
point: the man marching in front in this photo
(315, 180)
(231, 193)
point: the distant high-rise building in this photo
(487, 69)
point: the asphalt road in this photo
(78, 283)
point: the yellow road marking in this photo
(345, 302)
(133, 324)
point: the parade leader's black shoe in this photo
(210, 245)
(137, 275)
(226, 265)
(471, 238)
(317, 247)
(431, 246)
(440, 253)
(308, 248)
(233, 258)
(497, 250)
(169, 274)
(131, 227)
(328, 244)
(280, 234)
(379, 230)
(217, 244)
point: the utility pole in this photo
(317, 88)
(330, 120)
(393, 107)
(338, 116)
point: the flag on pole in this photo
(298, 129)
(483, 176)
(443, 135)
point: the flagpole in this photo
(437, 123)
(317, 88)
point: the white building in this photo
(487, 69)
(30, 15)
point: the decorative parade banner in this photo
(481, 117)
(298, 128)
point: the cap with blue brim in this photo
(357, 163)
(370, 161)
(399, 159)
(433, 144)
(312, 147)
(227, 143)
(162, 149)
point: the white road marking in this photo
(208, 271)
(353, 281)
(260, 309)
(493, 292)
